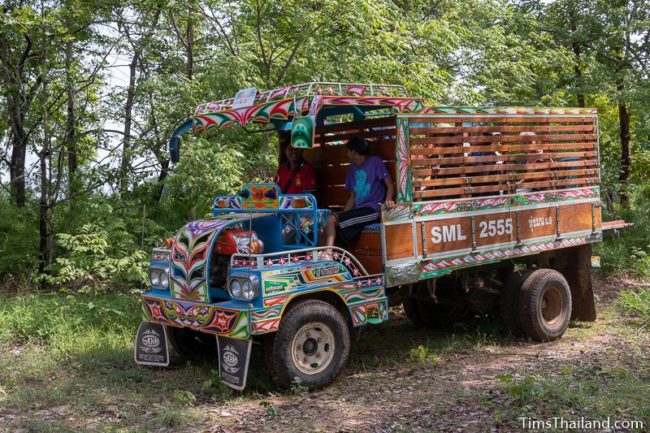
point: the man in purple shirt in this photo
(370, 185)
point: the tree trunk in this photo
(190, 44)
(577, 74)
(164, 171)
(16, 107)
(577, 65)
(44, 246)
(17, 166)
(128, 120)
(43, 243)
(70, 125)
(626, 151)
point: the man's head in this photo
(357, 149)
(293, 154)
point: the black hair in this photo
(359, 145)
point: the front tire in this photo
(312, 344)
(545, 305)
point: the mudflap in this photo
(234, 356)
(578, 275)
(151, 346)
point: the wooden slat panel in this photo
(510, 188)
(575, 217)
(332, 196)
(368, 243)
(558, 183)
(445, 235)
(539, 119)
(336, 174)
(373, 263)
(338, 154)
(598, 217)
(499, 139)
(502, 129)
(494, 158)
(399, 241)
(430, 171)
(366, 123)
(537, 223)
(494, 228)
(589, 145)
(459, 180)
(346, 135)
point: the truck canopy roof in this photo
(324, 100)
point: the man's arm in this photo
(390, 193)
(350, 203)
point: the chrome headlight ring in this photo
(159, 278)
(244, 287)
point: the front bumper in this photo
(208, 318)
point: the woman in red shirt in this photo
(295, 176)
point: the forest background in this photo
(92, 89)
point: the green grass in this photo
(594, 391)
(66, 364)
(636, 303)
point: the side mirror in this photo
(303, 129)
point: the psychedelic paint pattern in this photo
(190, 254)
(283, 259)
(437, 267)
(403, 161)
(199, 317)
(444, 207)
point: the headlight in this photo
(247, 290)
(164, 280)
(244, 287)
(235, 288)
(159, 278)
(154, 277)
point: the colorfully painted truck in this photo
(496, 210)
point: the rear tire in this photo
(510, 305)
(312, 344)
(545, 301)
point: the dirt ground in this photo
(475, 378)
(460, 392)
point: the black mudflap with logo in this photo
(234, 356)
(151, 346)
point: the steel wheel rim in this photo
(313, 348)
(551, 306)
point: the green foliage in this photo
(298, 387)
(183, 397)
(62, 320)
(271, 409)
(170, 419)
(529, 52)
(636, 303)
(593, 391)
(423, 355)
(94, 262)
(628, 250)
(208, 168)
(215, 388)
(18, 243)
